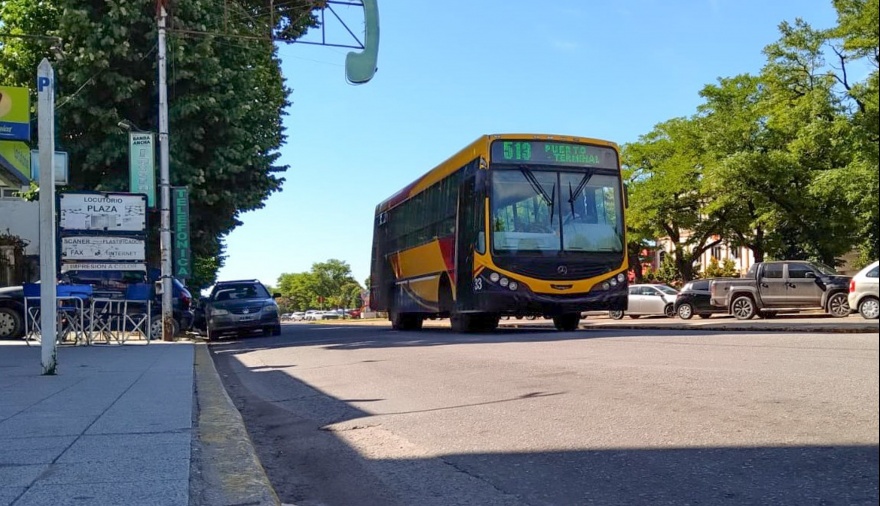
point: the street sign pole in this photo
(46, 129)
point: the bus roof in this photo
(468, 153)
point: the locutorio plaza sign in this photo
(119, 212)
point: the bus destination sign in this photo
(554, 153)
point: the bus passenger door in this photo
(470, 204)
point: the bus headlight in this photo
(504, 282)
(621, 277)
(494, 277)
(613, 281)
(513, 285)
(605, 286)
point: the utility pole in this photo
(164, 185)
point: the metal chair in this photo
(74, 302)
(31, 312)
(136, 311)
(71, 302)
(105, 322)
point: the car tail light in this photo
(185, 301)
(852, 285)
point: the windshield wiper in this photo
(536, 186)
(580, 187)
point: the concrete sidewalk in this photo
(116, 425)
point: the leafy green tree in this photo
(330, 282)
(668, 272)
(726, 269)
(807, 119)
(299, 290)
(737, 172)
(665, 170)
(857, 39)
(226, 97)
(330, 279)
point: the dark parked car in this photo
(105, 284)
(239, 307)
(695, 299)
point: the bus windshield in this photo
(556, 210)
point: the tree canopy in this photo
(226, 97)
(328, 284)
(784, 162)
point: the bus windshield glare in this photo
(549, 211)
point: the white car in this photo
(312, 315)
(297, 316)
(863, 292)
(648, 300)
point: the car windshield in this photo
(529, 215)
(824, 269)
(668, 290)
(240, 291)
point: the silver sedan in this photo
(649, 300)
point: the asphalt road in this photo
(361, 415)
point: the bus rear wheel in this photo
(567, 322)
(405, 321)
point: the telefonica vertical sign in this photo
(15, 113)
(180, 204)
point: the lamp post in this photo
(164, 184)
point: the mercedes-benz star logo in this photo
(562, 269)
(246, 310)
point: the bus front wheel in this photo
(461, 322)
(567, 322)
(474, 322)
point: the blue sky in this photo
(451, 71)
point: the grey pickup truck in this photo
(784, 286)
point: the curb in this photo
(226, 467)
(727, 326)
(737, 328)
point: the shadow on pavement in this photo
(303, 436)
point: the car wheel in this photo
(685, 311)
(838, 305)
(743, 308)
(277, 330)
(704, 315)
(616, 315)
(10, 323)
(669, 311)
(869, 308)
(156, 327)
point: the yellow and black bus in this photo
(511, 225)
